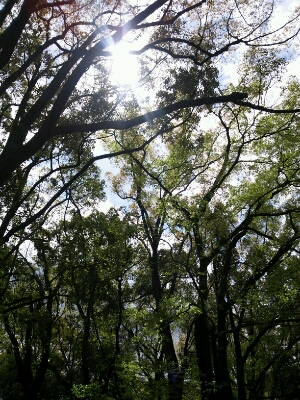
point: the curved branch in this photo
(148, 117)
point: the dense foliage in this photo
(190, 289)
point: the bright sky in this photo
(125, 66)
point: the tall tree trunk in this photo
(223, 384)
(204, 359)
(202, 331)
(175, 375)
(240, 374)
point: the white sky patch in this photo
(104, 206)
(229, 74)
(106, 164)
(282, 11)
(294, 68)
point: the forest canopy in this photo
(185, 114)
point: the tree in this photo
(168, 298)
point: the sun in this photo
(124, 70)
